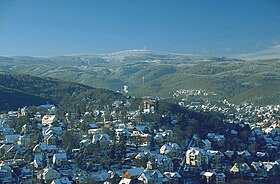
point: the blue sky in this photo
(208, 27)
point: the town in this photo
(124, 144)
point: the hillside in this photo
(17, 90)
(13, 99)
(160, 74)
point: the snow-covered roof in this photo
(92, 126)
(171, 175)
(49, 169)
(43, 146)
(194, 151)
(125, 181)
(211, 135)
(136, 171)
(207, 174)
(63, 180)
(213, 153)
(165, 149)
(150, 173)
(141, 128)
(101, 176)
(60, 156)
(206, 141)
(175, 146)
(229, 153)
(47, 106)
(99, 137)
(48, 117)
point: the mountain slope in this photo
(13, 99)
(159, 73)
(17, 90)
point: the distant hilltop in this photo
(239, 78)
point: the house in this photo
(8, 131)
(133, 174)
(220, 178)
(53, 130)
(213, 177)
(211, 136)
(163, 163)
(13, 151)
(25, 174)
(258, 169)
(233, 132)
(47, 106)
(13, 138)
(240, 169)
(209, 177)
(102, 139)
(60, 159)
(150, 177)
(170, 149)
(229, 154)
(137, 139)
(114, 177)
(141, 159)
(149, 104)
(51, 139)
(93, 129)
(38, 161)
(261, 154)
(215, 158)
(38, 117)
(159, 138)
(43, 147)
(196, 157)
(125, 181)
(63, 180)
(117, 103)
(4, 122)
(27, 129)
(220, 139)
(100, 176)
(171, 177)
(246, 155)
(206, 144)
(24, 140)
(168, 135)
(166, 149)
(122, 134)
(5, 173)
(48, 175)
(133, 114)
(13, 113)
(141, 129)
(23, 111)
(272, 168)
(48, 119)
(144, 140)
(85, 142)
(257, 131)
(5, 147)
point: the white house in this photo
(59, 159)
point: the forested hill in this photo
(152, 73)
(17, 90)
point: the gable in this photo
(234, 169)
